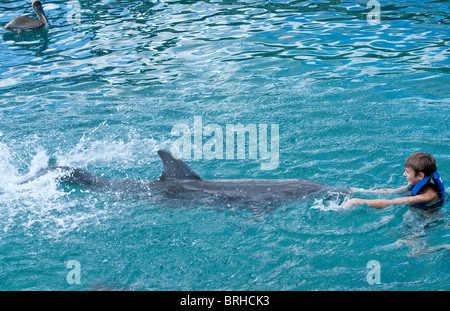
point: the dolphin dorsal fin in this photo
(175, 168)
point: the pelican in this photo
(25, 23)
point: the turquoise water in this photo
(352, 100)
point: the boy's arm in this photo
(381, 191)
(377, 203)
(426, 197)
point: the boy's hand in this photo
(352, 202)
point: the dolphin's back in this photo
(256, 189)
(176, 171)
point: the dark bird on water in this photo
(25, 23)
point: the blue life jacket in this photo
(432, 179)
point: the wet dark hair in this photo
(421, 162)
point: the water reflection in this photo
(419, 230)
(35, 41)
(159, 40)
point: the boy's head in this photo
(421, 162)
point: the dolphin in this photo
(177, 177)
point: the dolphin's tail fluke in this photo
(51, 165)
(175, 168)
(74, 176)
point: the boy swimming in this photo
(425, 187)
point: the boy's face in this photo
(411, 176)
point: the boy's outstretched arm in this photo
(377, 203)
(427, 197)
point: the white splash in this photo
(330, 204)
